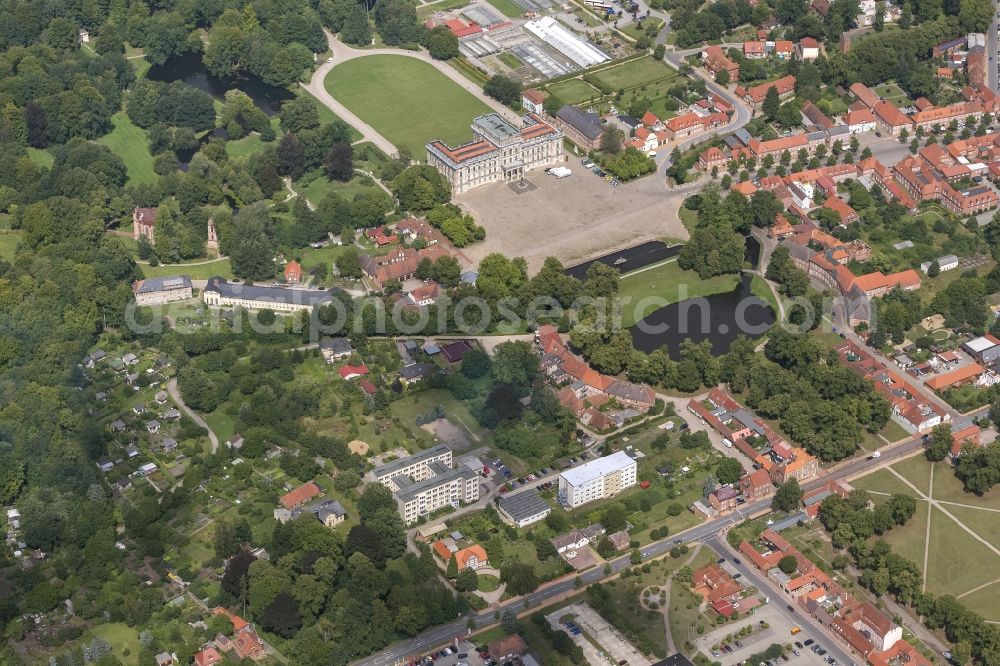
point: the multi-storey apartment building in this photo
(425, 482)
(498, 152)
(597, 479)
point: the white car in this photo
(330, 59)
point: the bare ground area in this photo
(455, 437)
(572, 218)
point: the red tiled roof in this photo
(965, 373)
(783, 85)
(367, 387)
(292, 499)
(533, 95)
(475, 550)
(348, 370)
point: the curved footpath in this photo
(176, 395)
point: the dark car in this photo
(790, 609)
(808, 642)
(798, 644)
(720, 560)
(736, 562)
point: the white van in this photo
(727, 443)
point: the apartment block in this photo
(425, 482)
(597, 479)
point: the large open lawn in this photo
(634, 73)
(129, 142)
(574, 91)
(663, 282)
(406, 100)
(955, 558)
(198, 271)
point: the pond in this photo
(719, 318)
(191, 70)
(630, 259)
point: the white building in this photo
(498, 152)
(425, 482)
(154, 291)
(220, 293)
(597, 479)
(946, 263)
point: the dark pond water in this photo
(718, 319)
(184, 156)
(635, 257)
(190, 69)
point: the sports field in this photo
(406, 100)
(958, 551)
(130, 143)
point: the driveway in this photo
(176, 395)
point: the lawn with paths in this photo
(406, 100)
(129, 142)
(197, 271)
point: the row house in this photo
(865, 95)
(755, 95)
(775, 147)
(909, 408)
(816, 117)
(861, 120)
(712, 158)
(843, 210)
(690, 124)
(716, 60)
(962, 113)
(922, 183)
(889, 119)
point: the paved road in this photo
(707, 532)
(342, 52)
(176, 395)
(992, 56)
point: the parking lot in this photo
(778, 631)
(615, 648)
(466, 648)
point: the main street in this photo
(708, 532)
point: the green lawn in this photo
(882, 481)
(129, 142)
(423, 11)
(573, 91)
(986, 602)
(760, 289)
(8, 244)
(956, 559)
(406, 100)
(222, 425)
(197, 272)
(683, 615)
(983, 523)
(634, 73)
(41, 158)
(320, 187)
(488, 583)
(908, 540)
(664, 284)
(635, 32)
(508, 8)
(122, 637)
(893, 432)
(917, 471)
(509, 59)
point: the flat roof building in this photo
(156, 290)
(597, 479)
(220, 293)
(523, 508)
(425, 482)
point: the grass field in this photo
(573, 91)
(634, 73)
(760, 289)
(129, 142)
(318, 189)
(8, 244)
(122, 637)
(488, 583)
(423, 11)
(954, 556)
(509, 59)
(663, 282)
(508, 8)
(197, 271)
(41, 158)
(406, 100)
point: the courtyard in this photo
(578, 217)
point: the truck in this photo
(876, 454)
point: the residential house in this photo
(861, 120)
(756, 485)
(889, 119)
(454, 352)
(235, 442)
(753, 50)
(153, 427)
(424, 295)
(533, 100)
(507, 649)
(244, 643)
(808, 48)
(300, 495)
(716, 60)
(161, 397)
(367, 387)
(208, 657)
(293, 272)
(416, 372)
(968, 437)
(333, 349)
(712, 158)
(577, 538)
(843, 210)
(723, 498)
(755, 95)
(620, 540)
(813, 114)
(348, 372)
